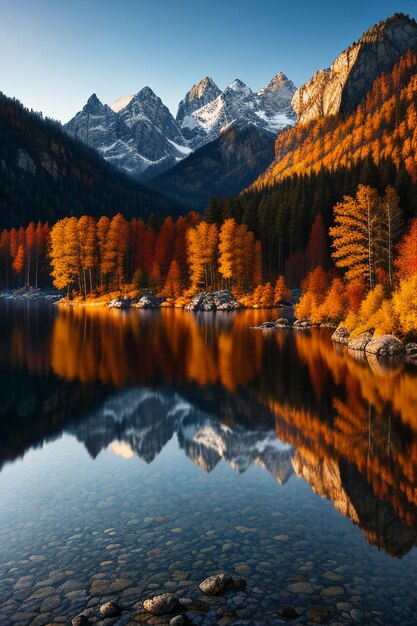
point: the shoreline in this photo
(386, 348)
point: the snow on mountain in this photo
(139, 134)
(199, 95)
(269, 109)
(121, 103)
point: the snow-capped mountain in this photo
(139, 134)
(269, 109)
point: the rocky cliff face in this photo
(342, 87)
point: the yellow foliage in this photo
(366, 318)
(384, 320)
(404, 303)
(306, 306)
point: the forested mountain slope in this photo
(46, 175)
(224, 166)
(384, 125)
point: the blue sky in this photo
(55, 53)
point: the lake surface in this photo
(143, 451)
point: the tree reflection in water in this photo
(348, 426)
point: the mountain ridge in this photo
(140, 135)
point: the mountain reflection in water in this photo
(285, 402)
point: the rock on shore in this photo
(341, 335)
(147, 300)
(385, 347)
(360, 342)
(119, 303)
(214, 301)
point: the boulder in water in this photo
(385, 346)
(213, 585)
(147, 300)
(161, 605)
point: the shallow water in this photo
(143, 451)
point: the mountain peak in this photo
(148, 93)
(377, 31)
(198, 90)
(238, 85)
(200, 94)
(93, 105)
(279, 81)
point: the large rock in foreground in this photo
(161, 605)
(214, 301)
(385, 346)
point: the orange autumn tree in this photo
(355, 234)
(314, 288)
(281, 293)
(103, 225)
(239, 256)
(334, 305)
(390, 224)
(19, 260)
(173, 287)
(202, 244)
(406, 262)
(88, 250)
(30, 239)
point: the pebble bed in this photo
(76, 532)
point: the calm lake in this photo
(142, 451)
